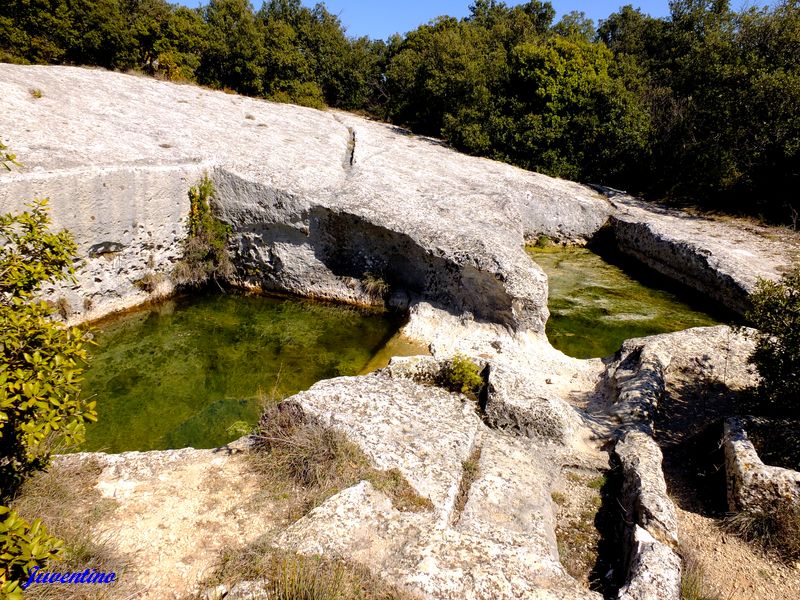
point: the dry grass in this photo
(577, 535)
(68, 504)
(471, 468)
(150, 281)
(375, 286)
(693, 581)
(303, 463)
(776, 531)
(288, 576)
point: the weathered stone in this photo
(655, 570)
(644, 491)
(431, 222)
(524, 406)
(638, 373)
(721, 260)
(752, 485)
(173, 512)
(423, 431)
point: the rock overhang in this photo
(102, 144)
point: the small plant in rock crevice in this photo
(375, 286)
(205, 251)
(150, 282)
(462, 375)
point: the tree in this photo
(42, 362)
(776, 313)
(234, 55)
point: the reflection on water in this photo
(182, 372)
(595, 305)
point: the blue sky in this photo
(380, 19)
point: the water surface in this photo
(180, 373)
(596, 305)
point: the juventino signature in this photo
(88, 576)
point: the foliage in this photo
(776, 529)
(6, 158)
(23, 546)
(205, 252)
(776, 313)
(40, 371)
(462, 375)
(66, 499)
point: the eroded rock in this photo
(752, 485)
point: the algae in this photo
(595, 305)
(181, 372)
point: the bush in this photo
(462, 375)
(775, 530)
(23, 546)
(6, 158)
(205, 252)
(41, 366)
(776, 313)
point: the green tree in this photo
(41, 366)
(776, 313)
(181, 47)
(233, 57)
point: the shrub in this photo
(23, 546)
(36, 93)
(40, 369)
(205, 252)
(462, 375)
(776, 529)
(776, 313)
(6, 158)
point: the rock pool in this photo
(181, 372)
(595, 304)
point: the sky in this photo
(379, 19)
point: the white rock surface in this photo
(117, 153)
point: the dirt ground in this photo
(689, 429)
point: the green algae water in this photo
(595, 305)
(180, 373)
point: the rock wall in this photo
(752, 485)
(317, 199)
(128, 221)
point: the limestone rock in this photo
(310, 213)
(516, 403)
(644, 490)
(752, 485)
(638, 374)
(655, 571)
(423, 431)
(721, 260)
